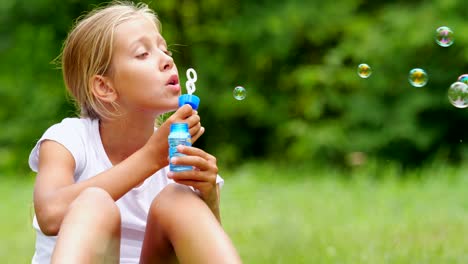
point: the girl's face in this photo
(143, 72)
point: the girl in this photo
(103, 192)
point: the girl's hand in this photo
(185, 114)
(202, 177)
(158, 143)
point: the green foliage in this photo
(297, 60)
(32, 92)
(305, 101)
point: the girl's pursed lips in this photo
(173, 80)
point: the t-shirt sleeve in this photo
(67, 133)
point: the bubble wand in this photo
(190, 98)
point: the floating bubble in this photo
(444, 36)
(239, 93)
(364, 70)
(417, 77)
(458, 94)
(463, 78)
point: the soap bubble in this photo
(364, 70)
(239, 93)
(463, 78)
(444, 36)
(417, 77)
(458, 95)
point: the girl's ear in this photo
(102, 89)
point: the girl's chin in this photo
(168, 107)
(175, 105)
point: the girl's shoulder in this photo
(74, 126)
(77, 135)
(77, 122)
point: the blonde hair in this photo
(88, 50)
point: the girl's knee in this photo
(174, 194)
(97, 202)
(173, 200)
(175, 190)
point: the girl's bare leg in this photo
(182, 227)
(90, 231)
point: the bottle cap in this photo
(178, 127)
(190, 99)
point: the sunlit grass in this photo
(275, 219)
(16, 232)
(281, 215)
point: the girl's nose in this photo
(167, 62)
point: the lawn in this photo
(280, 215)
(274, 216)
(16, 210)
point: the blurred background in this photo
(307, 117)
(297, 61)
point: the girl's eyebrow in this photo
(141, 39)
(162, 40)
(133, 45)
(146, 39)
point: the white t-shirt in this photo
(81, 137)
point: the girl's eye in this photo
(142, 55)
(168, 53)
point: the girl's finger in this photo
(194, 175)
(183, 112)
(193, 121)
(195, 184)
(193, 151)
(198, 134)
(194, 129)
(195, 161)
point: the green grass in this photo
(334, 219)
(280, 215)
(16, 211)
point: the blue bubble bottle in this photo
(178, 135)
